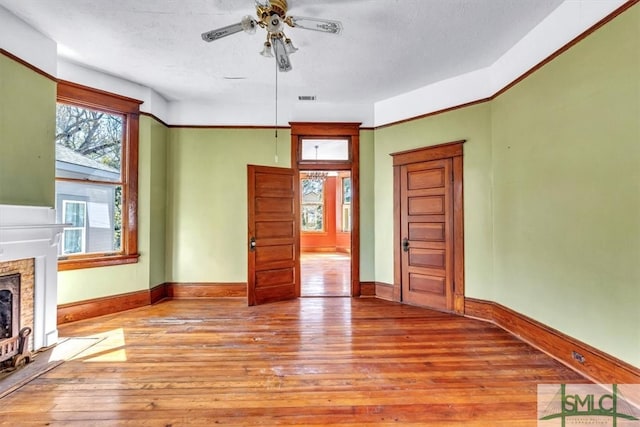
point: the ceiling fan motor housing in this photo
(280, 7)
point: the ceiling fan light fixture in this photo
(266, 50)
(274, 24)
(289, 47)
(249, 24)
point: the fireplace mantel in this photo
(31, 232)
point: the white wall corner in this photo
(444, 94)
(568, 21)
(185, 113)
(153, 102)
(23, 41)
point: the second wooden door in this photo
(426, 227)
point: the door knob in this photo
(252, 244)
(405, 244)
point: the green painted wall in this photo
(551, 191)
(158, 199)
(367, 211)
(566, 157)
(79, 285)
(474, 125)
(207, 199)
(27, 132)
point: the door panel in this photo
(426, 227)
(419, 180)
(430, 205)
(273, 273)
(431, 284)
(266, 256)
(430, 258)
(266, 205)
(274, 277)
(274, 229)
(428, 231)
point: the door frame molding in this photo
(450, 150)
(351, 131)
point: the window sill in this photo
(98, 261)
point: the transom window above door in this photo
(325, 149)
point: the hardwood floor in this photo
(325, 274)
(311, 361)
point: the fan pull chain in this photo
(276, 120)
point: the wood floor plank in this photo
(312, 361)
(325, 274)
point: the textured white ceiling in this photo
(387, 47)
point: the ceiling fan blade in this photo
(282, 57)
(248, 25)
(322, 25)
(213, 35)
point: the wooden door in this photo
(273, 238)
(426, 212)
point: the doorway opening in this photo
(328, 155)
(325, 233)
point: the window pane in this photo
(100, 219)
(88, 144)
(346, 191)
(346, 218)
(312, 190)
(73, 241)
(74, 213)
(312, 217)
(325, 149)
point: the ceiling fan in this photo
(272, 14)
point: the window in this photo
(324, 149)
(312, 206)
(346, 204)
(96, 151)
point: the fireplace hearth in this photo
(9, 306)
(14, 344)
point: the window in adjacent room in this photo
(346, 204)
(96, 151)
(312, 205)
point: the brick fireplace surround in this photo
(29, 246)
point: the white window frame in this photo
(65, 204)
